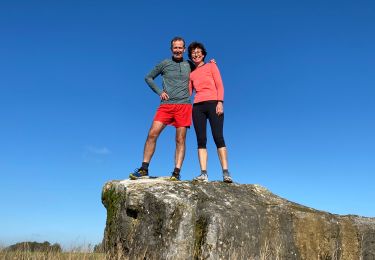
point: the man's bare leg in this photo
(149, 149)
(150, 145)
(180, 146)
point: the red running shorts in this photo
(178, 115)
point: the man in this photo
(175, 107)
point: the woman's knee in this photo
(202, 142)
(219, 141)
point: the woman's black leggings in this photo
(201, 112)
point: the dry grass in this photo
(47, 256)
(72, 255)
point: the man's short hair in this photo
(195, 45)
(177, 38)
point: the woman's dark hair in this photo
(196, 45)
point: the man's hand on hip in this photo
(164, 96)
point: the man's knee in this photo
(153, 134)
(155, 130)
(180, 136)
(180, 139)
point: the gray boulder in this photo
(160, 219)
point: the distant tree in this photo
(56, 248)
(35, 247)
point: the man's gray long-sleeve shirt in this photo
(175, 81)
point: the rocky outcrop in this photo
(160, 219)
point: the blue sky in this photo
(75, 110)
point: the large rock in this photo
(160, 219)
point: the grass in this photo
(74, 254)
(51, 255)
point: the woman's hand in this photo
(219, 108)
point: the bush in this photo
(34, 247)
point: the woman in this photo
(206, 81)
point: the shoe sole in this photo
(200, 180)
(132, 177)
(228, 181)
(173, 179)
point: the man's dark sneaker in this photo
(138, 174)
(175, 176)
(227, 178)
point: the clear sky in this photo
(75, 109)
